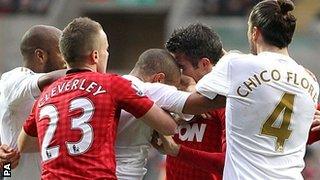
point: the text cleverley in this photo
(72, 85)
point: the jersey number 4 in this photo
(282, 132)
(74, 148)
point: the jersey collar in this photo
(77, 70)
(281, 56)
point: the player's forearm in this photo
(198, 104)
(26, 143)
(160, 121)
(49, 78)
(206, 161)
(22, 141)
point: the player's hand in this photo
(165, 145)
(178, 119)
(187, 83)
(316, 121)
(156, 142)
(8, 154)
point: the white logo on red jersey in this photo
(139, 91)
(191, 132)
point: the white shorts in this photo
(131, 162)
(130, 171)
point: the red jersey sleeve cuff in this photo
(147, 105)
(30, 130)
(183, 152)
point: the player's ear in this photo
(205, 65)
(256, 33)
(95, 57)
(41, 55)
(159, 77)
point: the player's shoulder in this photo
(16, 73)
(115, 78)
(304, 72)
(159, 90)
(116, 81)
(159, 87)
(103, 75)
(111, 75)
(99, 77)
(236, 56)
(310, 74)
(134, 80)
(15, 77)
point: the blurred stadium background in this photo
(136, 25)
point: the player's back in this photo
(78, 116)
(270, 106)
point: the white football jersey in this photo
(133, 135)
(18, 90)
(271, 101)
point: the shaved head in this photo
(153, 61)
(39, 37)
(43, 39)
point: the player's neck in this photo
(137, 75)
(82, 66)
(274, 49)
(33, 67)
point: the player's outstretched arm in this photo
(159, 120)
(198, 104)
(49, 78)
(205, 161)
(26, 143)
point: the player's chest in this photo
(200, 133)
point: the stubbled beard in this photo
(49, 66)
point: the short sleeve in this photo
(30, 126)
(31, 85)
(168, 98)
(129, 97)
(217, 81)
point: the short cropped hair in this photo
(196, 41)
(154, 61)
(79, 38)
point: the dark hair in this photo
(79, 38)
(275, 21)
(154, 61)
(196, 41)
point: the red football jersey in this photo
(314, 136)
(202, 134)
(76, 119)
